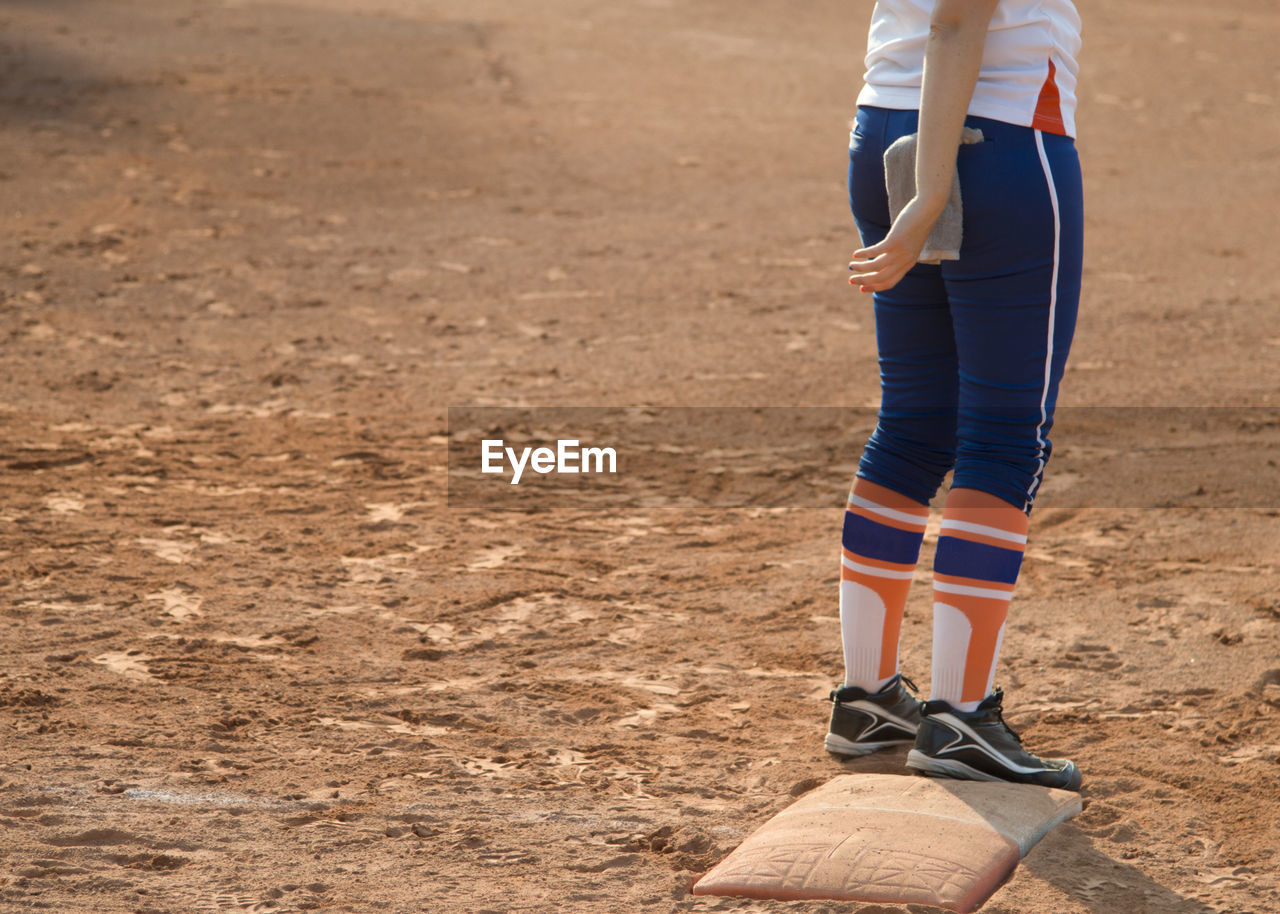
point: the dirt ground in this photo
(252, 661)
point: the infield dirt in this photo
(252, 661)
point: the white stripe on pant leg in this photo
(1053, 308)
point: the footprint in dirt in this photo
(493, 557)
(224, 901)
(64, 503)
(130, 664)
(1096, 657)
(1099, 819)
(178, 602)
(174, 551)
(386, 513)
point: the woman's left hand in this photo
(879, 267)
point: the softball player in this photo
(971, 352)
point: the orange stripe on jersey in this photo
(1048, 116)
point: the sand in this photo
(253, 661)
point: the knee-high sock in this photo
(979, 555)
(882, 535)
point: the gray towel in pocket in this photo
(943, 242)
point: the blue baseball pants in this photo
(971, 351)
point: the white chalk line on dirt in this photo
(224, 799)
(213, 799)
(206, 798)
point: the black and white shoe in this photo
(863, 721)
(979, 746)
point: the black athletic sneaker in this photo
(979, 746)
(863, 721)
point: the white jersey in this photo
(1029, 67)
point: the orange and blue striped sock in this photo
(882, 534)
(976, 565)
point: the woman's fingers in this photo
(869, 260)
(862, 267)
(879, 266)
(884, 273)
(885, 245)
(877, 282)
(867, 268)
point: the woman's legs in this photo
(883, 530)
(1013, 298)
(975, 566)
(969, 377)
(913, 445)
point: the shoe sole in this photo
(838, 745)
(950, 768)
(944, 768)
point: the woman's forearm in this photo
(952, 61)
(953, 57)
